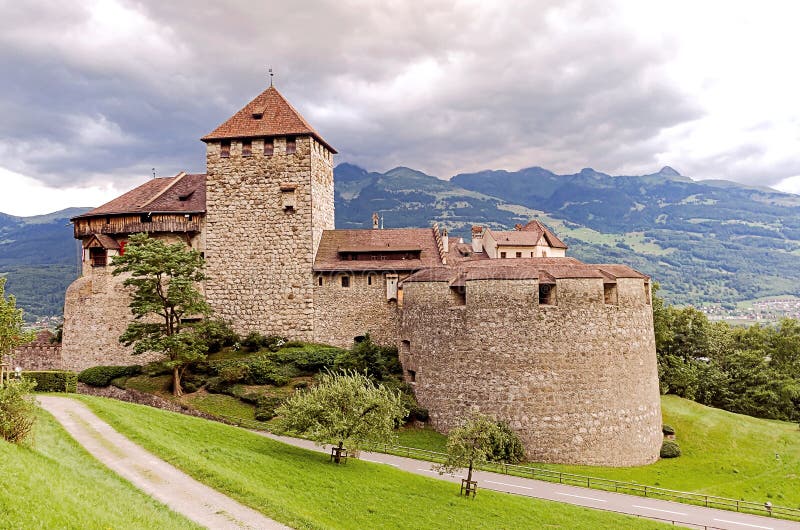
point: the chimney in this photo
(445, 241)
(375, 220)
(477, 238)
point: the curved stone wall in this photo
(576, 380)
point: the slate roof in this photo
(160, 195)
(104, 240)
(268, 115)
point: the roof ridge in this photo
(177, 178)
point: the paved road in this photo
(684, 514)
(176, 489)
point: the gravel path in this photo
(157, 478)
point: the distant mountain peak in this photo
(667, 171)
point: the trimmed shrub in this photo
(217, 334)
(309, 359)
(234, 373)
(667, 430)
(507, 448)
(266, 407)
(670, 449)
(255, 341)
(102, 375)
(17, 410)
(300, 385)
(53, 380)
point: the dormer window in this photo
(225, 149)
(269, 146)
(291, 145)
(247, 147)
(258, 115)
(185, 197)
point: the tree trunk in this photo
(176, 383)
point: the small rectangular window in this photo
(502, 255)
(647, 295)
(369, 280)
(98, 257)
(547, 294)
(319, 281)
(412, 376)
(247, 147)
(269, 146)
(291, 145)
(458, 295)
(146, 218)
(225, 149)
(610, 293)
(519, 254)
(345, 281)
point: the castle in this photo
(506, 324)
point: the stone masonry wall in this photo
(259, 256)
(577, 380)
(41, 354)
(343, 313)
(322, 200)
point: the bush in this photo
(234, 373)
(379, 362)
(418, 413)
(17, 410)
(266, 407)
(509, 448)
(53, 380)
(265, 372)
(255, 341)
(300, 385)
(102, 375)
(670, 449)
(309, 359)
(667, 430)
(217, 334)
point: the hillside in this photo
(39, 256)
(704, 241)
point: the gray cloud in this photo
(107, 93)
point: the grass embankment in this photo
(54, 483)
(724, 454)
(302, 489)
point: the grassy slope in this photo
(56, 484)
(724, 454)
(301, 488)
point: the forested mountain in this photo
(704, 241)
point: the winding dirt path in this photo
(157, 478)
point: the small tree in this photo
(471, 444)
(343, 409)
(12, 334)
(164, 281)
(17, 410)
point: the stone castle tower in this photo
(269, 196)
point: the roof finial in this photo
(154, 172)
(270, 77)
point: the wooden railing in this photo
(630, 488)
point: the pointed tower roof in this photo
(269, 114)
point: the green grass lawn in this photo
(54, 483)
(302, 489)
(724, 454)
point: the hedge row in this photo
(53, 380)
(102, 375)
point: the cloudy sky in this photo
(96, 93)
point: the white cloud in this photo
(25, 196)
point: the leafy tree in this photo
(472, 443)
(379, 362)
(12, 334)
(343, 409)
(163, 278)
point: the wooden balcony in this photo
(87, 227)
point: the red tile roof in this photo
(183, 193)
(391, 240)
(528, 235)
(104, 240)
(268, 115)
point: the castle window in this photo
(647, 292)
(319, 281)
(269, 146)
(247, 147)
(369, 279)
(610, 293)
(412, 376)
(547, 294)
(288, 197)
(502, 255)
(225, 149)
(519, 254)
(98, 256)
(345, 281)
(291, 145)
(458, 295)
